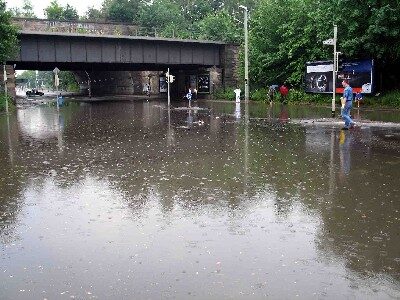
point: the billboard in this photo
(318, 77)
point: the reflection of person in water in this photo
(284, 114)
(344, 153)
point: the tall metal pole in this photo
(246, 57)
(5, 85)
(169, 96)
(334, 69)
(58, 104)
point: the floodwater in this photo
(129, 201)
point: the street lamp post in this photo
(5, 85)
(334, 69)
(246, 55)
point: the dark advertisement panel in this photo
(318, 77)
(204, 84)
(359, 74)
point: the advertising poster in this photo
(163, 85)
(204, 84)
(359, 74)
(318, 77)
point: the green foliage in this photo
(8, 34)
(57, 12)
(285, 34)
(46, 79)
(94, 14)
(219, 26)
(68, 82)
(259, 95)
(297, 96)
(390, 99)
(54, 11)
(3, 102)
(224, 94)
(161, 14)
(122, 10)
(25, 12)
(70, 13)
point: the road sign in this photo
(170, 78)
(56, 80)
(329, 42)
(5, 74)
(56, 70)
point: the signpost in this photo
(169, 99)
(56, 83)
(332, 42)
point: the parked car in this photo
(34, 92)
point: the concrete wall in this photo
(230, 66)
(10, 80)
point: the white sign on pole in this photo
(56, 70)
(329, 42)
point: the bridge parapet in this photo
(84, 27)
(96, 28)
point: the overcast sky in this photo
(40, 5)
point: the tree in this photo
(57, 12)
(287, 33)
(70, 13)
(8, 33)
(94, 14)
(54, 11)
(25, 12)
(122, 10)
(219, 26)
(161, 14)
(27, 9)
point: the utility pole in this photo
(169, 96)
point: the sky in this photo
(40, 5)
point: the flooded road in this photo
(127, 201)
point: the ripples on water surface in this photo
(122, 200)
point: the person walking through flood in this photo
(348, 104)
(283, 90)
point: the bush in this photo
(259, 95)
(390, 99)
(299, 96)
(227, 94)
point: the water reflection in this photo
(247, 206)
(344, 146)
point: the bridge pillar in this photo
(230, 66)
(10, 81)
